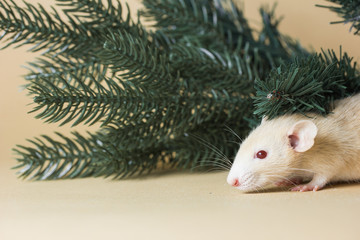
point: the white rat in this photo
(292, 148)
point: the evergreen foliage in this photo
(164, 97)
(307, 85)
(311, 84)
(349, 10)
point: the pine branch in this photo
(30, 25)
(107, 102)
(80, 157)
(122, 102)
(68, 99)
(173, 123)
(203, 69)
(280, 47)
(74, 71)
(125, 53)
(77, 102)
(95, 14)
(307, 85)
(349, 10)
(203, 21)
(71, 36)
(209, 25)
(136, 59)
(53, 159)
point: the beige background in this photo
(174, 205)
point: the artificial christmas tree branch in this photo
(349, 10)
(140, 62)
(76, 35)
(163, 96)
(31, 25)
(307, 85)
(196, 21)
(70, 69)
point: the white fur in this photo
(328, 149)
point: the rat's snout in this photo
(246, 181)
(234, 182)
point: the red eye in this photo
(261, 154)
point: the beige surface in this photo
(170, 206)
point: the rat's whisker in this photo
(217, 162)
(233, 142)
(210, 168)
(221, 161)
(215, 169)
(228, 162)
(222, 158)
(217, 165)
(214, 163)
(224, 161)
(233, 132)
(210, 146)
(258, 188)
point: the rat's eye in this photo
(261, 154)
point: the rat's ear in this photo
(301, 135)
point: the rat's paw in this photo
(317, 183)
(305, 188)
(289, 182)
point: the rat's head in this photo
(270, 151)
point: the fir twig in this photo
(349, 10)
(204, 69)
(306, 85)
(70, 69)
(136, 59)
(79, 157)
(31, 25)
(197, 21)
(78, 35)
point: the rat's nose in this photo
(235, 182)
